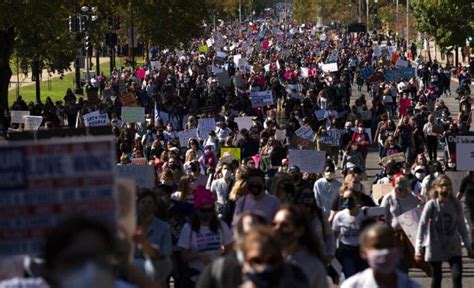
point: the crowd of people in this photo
(215, 220)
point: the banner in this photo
(307, 160)
(205, 126)
(409, 222)
(235, 152)
(400, 73)
(133, 114)
(320, 114)
(465, 153)
(244, 122)
(185, 135)
(17, 116)
(263, 98)
(380, 190)
(144, 175)
(45, 181)
(32, 123)
(331, 67)
(333, 137)
(94, 119)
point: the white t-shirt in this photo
(347, 227)
(206, 241)
(366, 279)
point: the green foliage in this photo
(448, 21)
(304, 10)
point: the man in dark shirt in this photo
(248, 146)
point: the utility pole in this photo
(408, 28)
(367, 14)
(240, 17)
(396, 23)
(359, 18)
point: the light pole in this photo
(75, 30)
(408, 29)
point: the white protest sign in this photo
(45, 181)
(331, 67)
(126, 208)
(307, 160)
(377, 51)
(304, 72)
(244, 122)
(133, 114)
(94, 119)
(221, 54)
(377, 212)
(320, 114)
(267, 67)
(17, 116)
(205, 126)
(236, 59)
(456, 178)
(209, 42)
(409, 222)
(144, 175)
(305, 133)
(32, 123)
(262, 98)
(280, 134)
(401, 63)
(465, 153)
(155, 65)
(185, 135)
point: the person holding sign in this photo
(439, 231)
(362, 140)
(397, 202)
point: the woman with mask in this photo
(152, 239)
(379, 248)
(390, 147)
(282, 186)
(431, 131)
(362, 139)
(397, 202)
(346, 227)
(420, 173)
(208, 160)
(299, 244)
(440, 230)
(205, 238)
(263, 264)
(352, 158)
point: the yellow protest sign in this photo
(235, 152)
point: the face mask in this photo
(226, 174)
(383, 260)
(419, 175)
(205, 216)
(436, 174)
(360, 129)
(255, 189)
(265, 277)
(88, 275)
(451, 165)
(354, 147)
(329, 175)
(444, 194)
(348, 203)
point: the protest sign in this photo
(331, 67)
(401, 63)
(209, 42)
(17, 116)
(377, 212)
(45, 181)
(380, 190)
(307, 160)
(398, 157)
(215, 70)
(133, 114)
(235, 152)
(304, 72)
(456, 178)
(280, 134)
(221, 54)
(366, 72)
(236, 59)
(409, 222)
(32, 123)
(205, 126)
(465, 153)
(138, 161)
(155, 65)
(305, 133)
(320, 114)
(94, 119)
(122, 86)
(223, 78)
(203, 49)
(244, 122)
(332, 137)
(129, 99)
(400, 73)
(377, 51)
(262, 98)
(144, 175)
(185, 135)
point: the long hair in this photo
(214, 224)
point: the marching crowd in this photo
(216, 220)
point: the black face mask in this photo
(264, 279)
(348, 203)
(205, 215)
(255, 189)
(444, 194)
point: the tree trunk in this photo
(7, 40)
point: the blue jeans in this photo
(350, 259)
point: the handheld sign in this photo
(465, 153)
(32, 122)
(94, 119)
(133, 114)
(205, 126)
(244, 122)
(380, 190)
(409, 222)
(398, 157)
(185, 135)
(17, 116)
(307, 160)
(144, 175)
(262, 98)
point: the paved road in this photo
(373, 168)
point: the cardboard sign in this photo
(144, 175)
(133, 114)
(398, 157)
(377, 213)
(129, 99)
(320, 114)
(122, 86)
(409, 222)
(331, 67)
(17, 116)
(380, 190)
(45, 181)
(244, 122)
(465, 153)
(262, 98)
(205, 126)
(307, 160)
(305, 133)
(94, 119)
(235, 152)
(32, 123)
(185, 135)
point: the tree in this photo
(304, 10)
(448, 21)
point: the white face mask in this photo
(419, 175)
(360, 129)
(451, 165)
